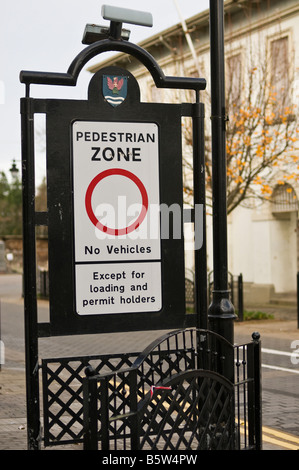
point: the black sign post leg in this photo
(221, 311)
(199, 226)
(29, 255)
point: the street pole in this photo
(221, 312)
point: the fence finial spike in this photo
(256, 336)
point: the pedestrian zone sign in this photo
(115, 210)
(117, 244)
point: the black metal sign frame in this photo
(60, 114)
(63, 320)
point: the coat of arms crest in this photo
(115, 89)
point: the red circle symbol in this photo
(91, 214)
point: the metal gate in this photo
(173, 395)
(193, 410)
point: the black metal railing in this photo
(248, 394)
(62, 384)
(210, 396)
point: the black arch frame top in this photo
(71, 76)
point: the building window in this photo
(233, 81)
(280, 80)
(284, 199)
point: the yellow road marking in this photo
(281, 434)
(280, 438)
(280, 443)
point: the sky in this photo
(45, 36)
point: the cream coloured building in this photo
(263, 240)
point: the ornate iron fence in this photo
(190, 389)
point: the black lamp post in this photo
(221, 313)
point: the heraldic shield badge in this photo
(115, 89)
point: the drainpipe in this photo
(188, 37)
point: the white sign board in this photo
(117, 243)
